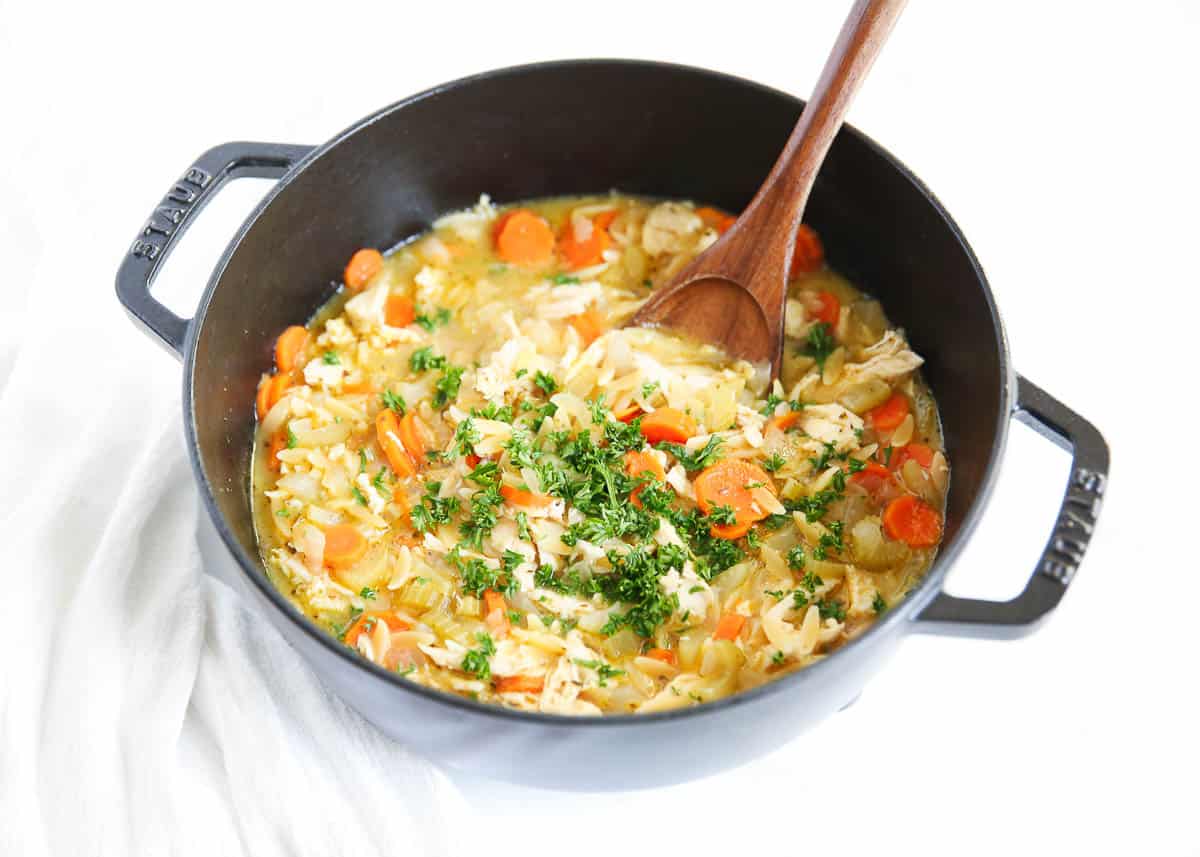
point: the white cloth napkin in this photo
(144, 708)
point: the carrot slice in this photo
(582, 254)
(500, 223)
(637, 463)
(387, 432)
(628, 414)
(410, 436)
(715, 218)
(784, 421)
(399, 311)
(730, 483)
(668, 424)
(270, 390)
(262, 401)
(521, 497)
(278, 444)
(279, 386)
(729, 532)
(495, 613)
(808, 254)
(664, 655)
(589, 325)
(890, 414)
(344, 545)
(472, 461)
(520, 684)
(911, 520)
(828, 308)
(872, 477)
(288, 347)
(729, 626)
(523, 238)
(362, 267)
(358, 388)
(366, 623)
(918, 452)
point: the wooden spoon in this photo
(733, 294)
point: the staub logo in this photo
(1075, 525)
(170, 213)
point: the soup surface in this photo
(467, 471)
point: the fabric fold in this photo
(144, 707)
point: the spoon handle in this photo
(779, 204)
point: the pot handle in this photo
(172, 217)
(1080, 508)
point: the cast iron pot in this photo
(580, 127)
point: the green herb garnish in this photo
(393, 402)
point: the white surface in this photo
(1060, 137)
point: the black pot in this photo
(577, 127)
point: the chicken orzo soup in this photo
(467, 472)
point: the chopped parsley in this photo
(503, 413)
(820, 344)
(482, 517)
(832, 610)
(773, 462)
(476, 661)
(446, 388)
(599, 410)
(330, 358)
(394, 402)
(634, 582)
(722, 515)
(291, 438)
(778, 658)
(486, 474)
(367, 592)
(547, 383)
(359, 496)
(438, 318)
(475, 574)
(423, 359)
(795, 558)
(432, 509)
(565, 280)
(603, 671)
(648, 389)
(878, 604)
(698, 460)
(465, 437)
(774, 401)
(831, 540)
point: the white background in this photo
(1058, 134)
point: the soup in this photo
(469, 473)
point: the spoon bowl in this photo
(733, 294)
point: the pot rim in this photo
(894, 621)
